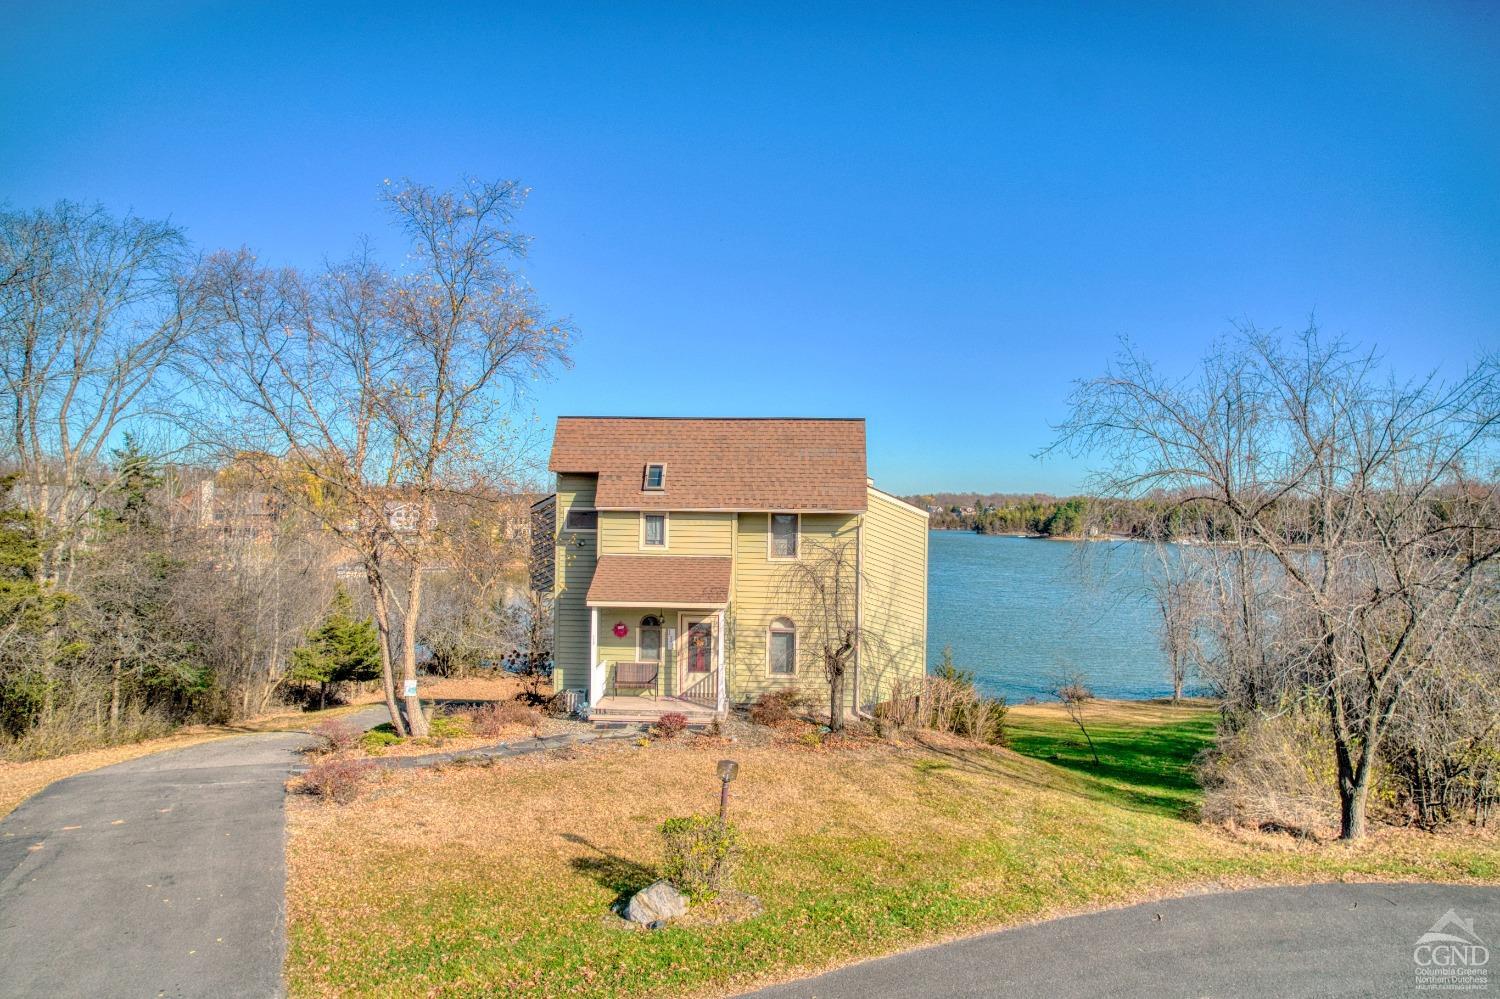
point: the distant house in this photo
(663, 545)
(239, 513)
(967, 511)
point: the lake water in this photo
(1017, 611)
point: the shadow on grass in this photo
(622, 876)
(1146, 767)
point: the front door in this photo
(697, 650)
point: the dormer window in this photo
(655, 477)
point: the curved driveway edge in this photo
(161, 876)
(1318, 940)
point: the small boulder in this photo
(656, 904)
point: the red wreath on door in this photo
(620, 630)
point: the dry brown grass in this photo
(1108, 712)
(501, 687)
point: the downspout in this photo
(859, 605)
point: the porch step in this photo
(622, 711)
(614, 723)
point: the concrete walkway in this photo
(505, 750)
(1323, 940)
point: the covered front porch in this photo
(656, 630)
(651, 661)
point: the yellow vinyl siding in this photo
(623, 650)
(893, 595)
(575, 571)
(687, 534)
(758, 595)
(893, 591)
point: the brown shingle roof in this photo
(660, 581)
(718, 464)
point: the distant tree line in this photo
(1036, 514)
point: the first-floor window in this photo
(649, 639)
(783, 647)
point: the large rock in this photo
(656, 903)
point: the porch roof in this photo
(660, 581)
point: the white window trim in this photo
(771, 555)
(646, 486)
(580, 530)
(666, 531)
(773, 629)
(661, 639)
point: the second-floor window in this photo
(783, 535)
(581, 520)
(653, 530)
(656, 477)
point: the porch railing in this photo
(704, 691)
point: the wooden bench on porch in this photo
(636, 677)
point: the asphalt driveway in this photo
(1325, 940)
(163, 876)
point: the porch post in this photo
(596, 675)
(723, 698)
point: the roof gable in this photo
(717, 464)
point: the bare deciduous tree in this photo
(1357, 515)
(382, 404)
(1075, 694)
(1179, 597)
(92, 308)
(820, 588)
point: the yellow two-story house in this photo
(678, 553)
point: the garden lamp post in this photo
(727, 771)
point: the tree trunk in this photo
(322, 694)
(1352, 798)
(114, 696)
(836, 697)
(1354, 787)
(416, 722)
(383, 633)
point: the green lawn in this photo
(498, 881)
(1140, 766)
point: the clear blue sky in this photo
(934, 216)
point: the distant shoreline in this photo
(1038, 537)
